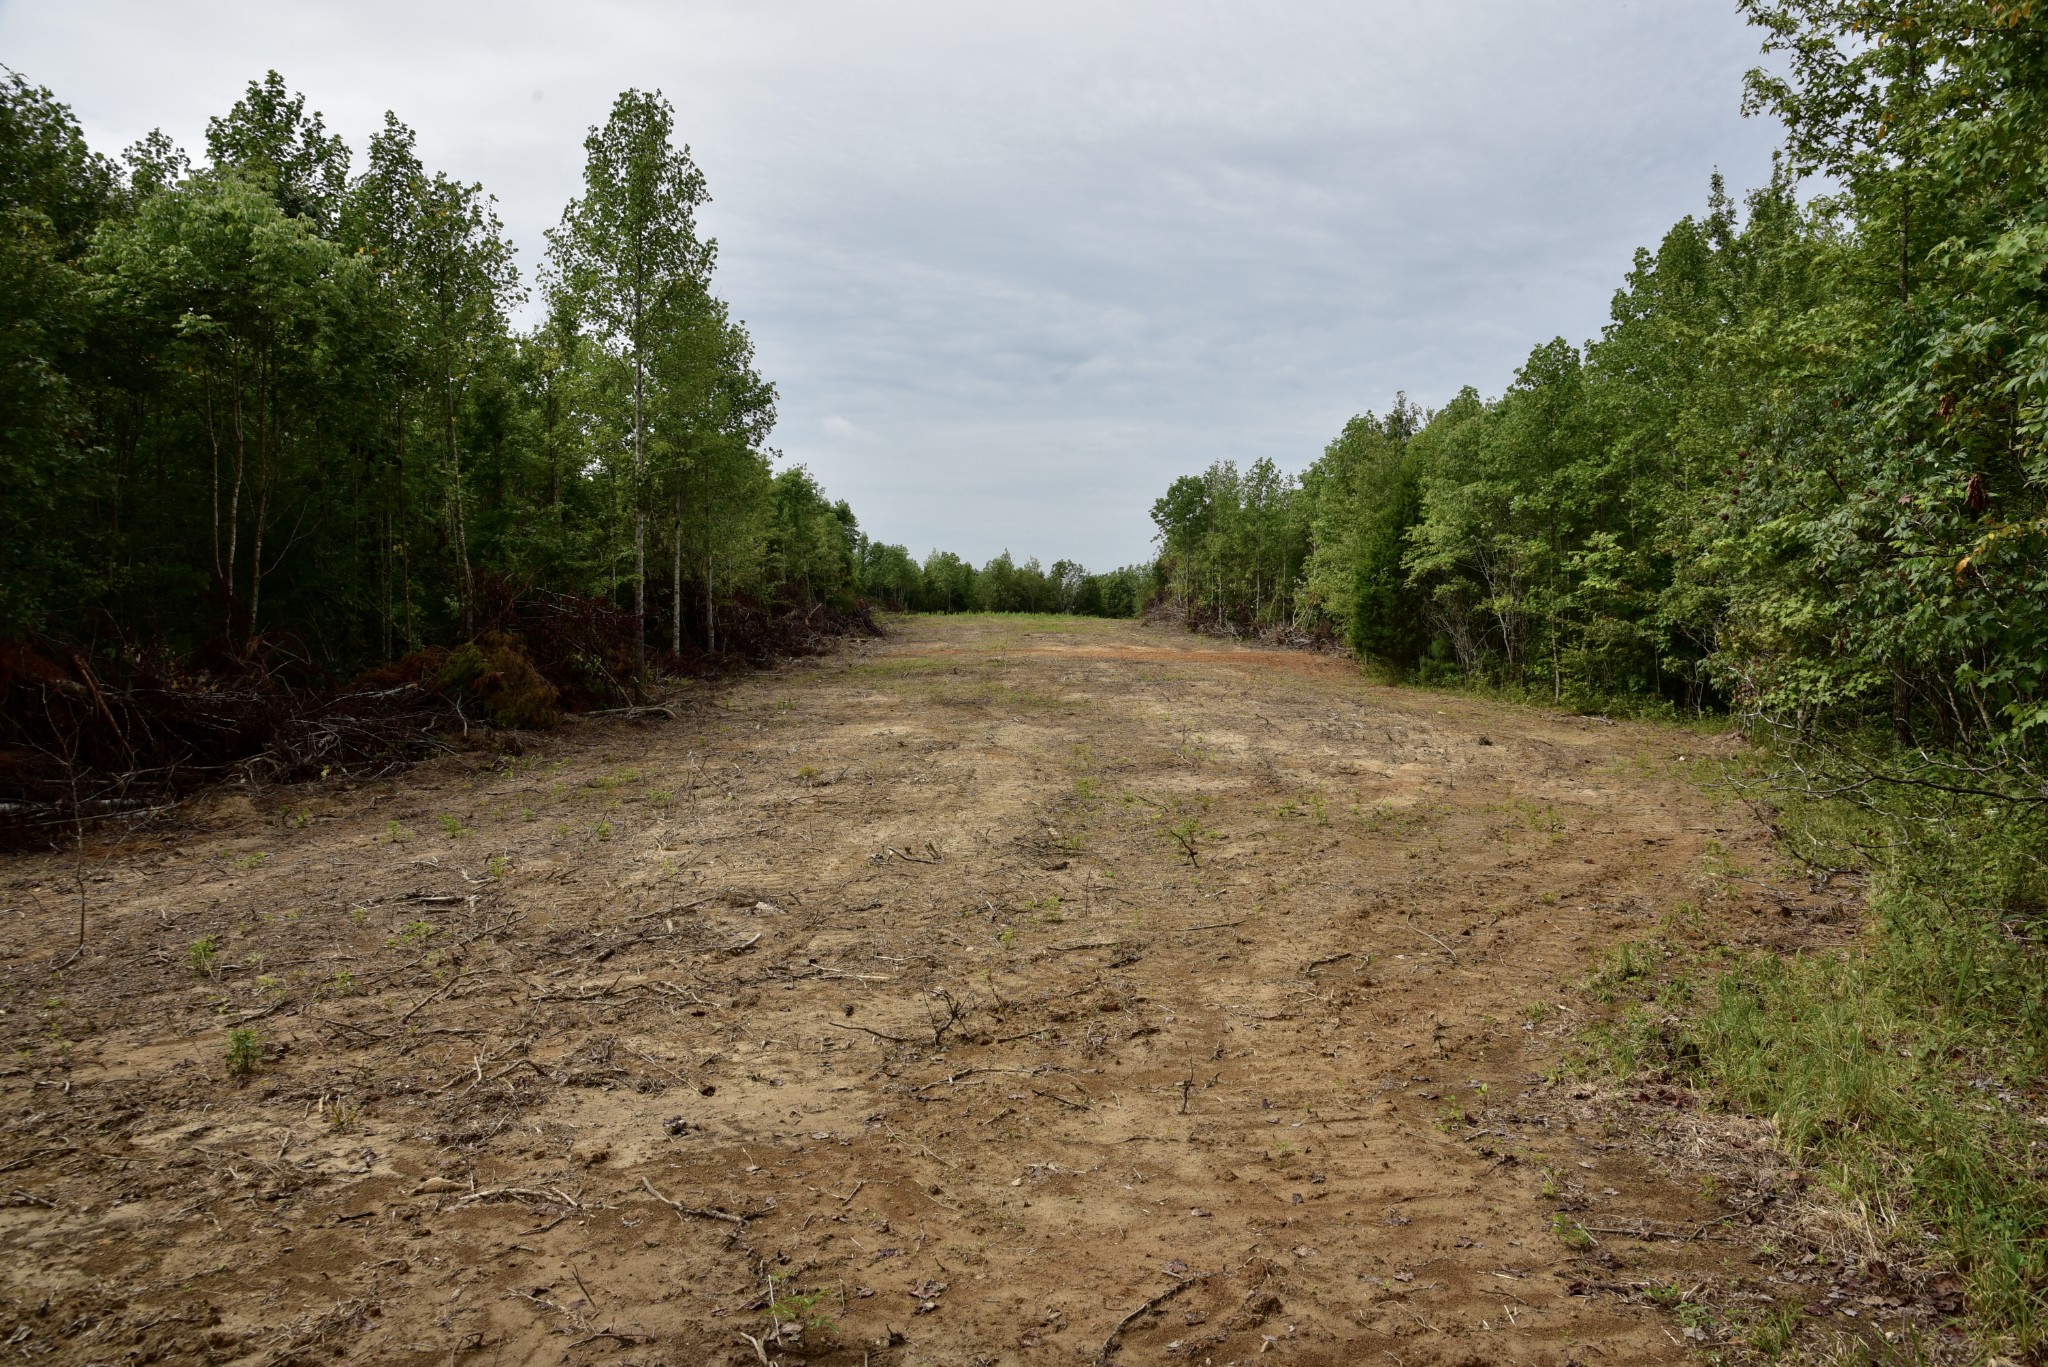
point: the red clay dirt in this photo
(998, 992)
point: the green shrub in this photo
(245, 1052)
(203, 954)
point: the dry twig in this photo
(1102, 1354)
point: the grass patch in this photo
(1909, 1069)
(1906, 1068)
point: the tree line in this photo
(944, 582)
(1799, 472)
(273, 400)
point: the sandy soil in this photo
(992, 993)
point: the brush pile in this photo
(86, 736)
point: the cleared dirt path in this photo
(948, 1000)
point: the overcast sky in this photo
(1015, 266)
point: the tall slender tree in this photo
(627, 250)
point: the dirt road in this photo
(998, 992)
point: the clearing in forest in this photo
(1003, 991)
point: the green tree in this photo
(250, 305)
(448, 280)
(628, 252)
(713, 412)
(54, 192)
(270, 138)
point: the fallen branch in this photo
(1023, 1034)
(1449, 953)
(1646, 1231)
(1055, 1096)
(519, 1194)
(437, 993)
(1102, 1354)
(613, 991)
(644, 710)
(704, 1212)
(893, 1039)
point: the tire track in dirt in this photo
(949, 1000)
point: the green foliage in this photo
(1570, 1233)
(278, 398)
(1800, 472)
(411, 934)
(946, 583)
(203, 954)
(244, 1052)
(1908, 1065)
(1365, 494)
(53, 191)
(1232, 546)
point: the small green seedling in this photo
(1570, 1233)
(245, 1052)
(203, 954)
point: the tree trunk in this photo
(455, 518)
(213, 440)
(675, 631)
(710, 597)
(1905, 242)
(266, 441)
(639, 527)
(235, 508)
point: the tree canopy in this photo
(273, 401)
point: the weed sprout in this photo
(245, 1052)
(203, 954)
